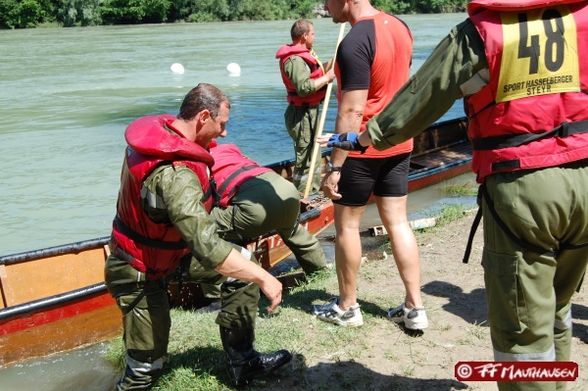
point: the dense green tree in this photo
(20, 13)
(261, 9)
(78, 12)
(208, 10)
(258, 9)
(134, 11)
(156, 11)
(439, 6)
(49, 9)
(394, 6)
(29, 13)
(5, 7)
(303, 8)
(180, 10)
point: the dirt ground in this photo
(390, 359)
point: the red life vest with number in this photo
(153, 248)
(231, 169)
(533, 112)
(316, 71)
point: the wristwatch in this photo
(331, 168)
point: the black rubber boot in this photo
(245, 363)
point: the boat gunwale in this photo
(31, 307)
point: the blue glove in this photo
(347, 141)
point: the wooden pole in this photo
(316, 147)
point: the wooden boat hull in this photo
(67, 304)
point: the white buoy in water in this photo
(234, 69)
(177, 68)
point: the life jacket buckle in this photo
(564, 130)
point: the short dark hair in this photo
(202, 97)
(299, 28)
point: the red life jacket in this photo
(316, 71)
(153, 248)
(533, 112)
(231, 169)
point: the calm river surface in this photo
(66, 96)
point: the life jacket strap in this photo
(136, 237)
(473, 229)
(514, 140)
(223, 186)
(211, 192)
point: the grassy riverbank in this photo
(379, 355)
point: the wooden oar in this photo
(316, 148)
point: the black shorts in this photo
(384, 177)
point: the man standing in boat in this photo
(305, 79)
(162, 215)
(372, 63)
(522, 69)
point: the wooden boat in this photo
(54, 299)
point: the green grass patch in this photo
(449, 214)
(460, 189)
(196, 360)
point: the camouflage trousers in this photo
(301, 123)
(146, 316)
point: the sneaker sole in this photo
(416, 325)
(338, 322)
(343, 324)
(409, 324)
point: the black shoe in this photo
(245, 363)
(261, 365)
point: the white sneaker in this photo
(413, 318)
(331, 313)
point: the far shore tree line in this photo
(68, 13)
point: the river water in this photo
(66, 96)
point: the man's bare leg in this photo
(347, 252)
(392, 211)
